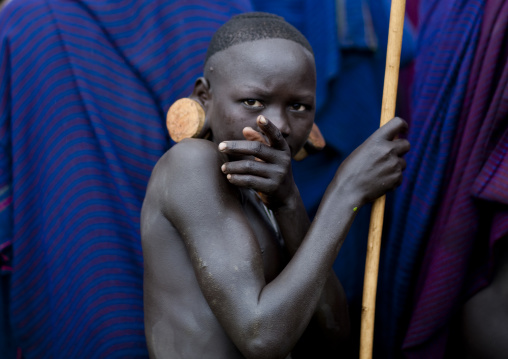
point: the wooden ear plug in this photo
(315, 142)
(186, 119)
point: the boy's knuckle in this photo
(249, 165)
(272, 186)
(249, 181)
(258, 149)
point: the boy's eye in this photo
(298, 107)
(252, 103)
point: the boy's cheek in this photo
(300, 137)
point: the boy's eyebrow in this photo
(306, 96)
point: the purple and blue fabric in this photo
(473, 212)
(447, 40)
(84, 87)
(437, 255)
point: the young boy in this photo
(227, 276)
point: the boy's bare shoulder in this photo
(189, 153)
(188, 170)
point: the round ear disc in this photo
(315, 143)
(185, 119)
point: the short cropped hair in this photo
(253, 26)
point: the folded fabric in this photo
(84, 87)
(473, 212)
(456, 164)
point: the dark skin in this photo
(218, 282)
(484, 317)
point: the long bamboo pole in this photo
(376, 221)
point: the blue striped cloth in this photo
(473, 209)
(446, 48)
(84, 87)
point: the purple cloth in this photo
(473, 213)
(447, 39)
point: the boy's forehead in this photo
(262, 53)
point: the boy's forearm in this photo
(331, 313)
(327, 334)
(293, 222)
(306, 278)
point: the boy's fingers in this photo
(248, 148)
(403, 164)
(272, 133)
(249, 181)
(256, 168)
(252, 135)
(393, 128)
(402, 146)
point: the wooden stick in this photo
(376, 221)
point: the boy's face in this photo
(272, 77)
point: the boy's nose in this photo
(280, 120)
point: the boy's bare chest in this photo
(265, 229)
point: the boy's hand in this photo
(269, 172)
(376, 166)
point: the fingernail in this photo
(262, 119)
(223, 168)
(222, 146)
(228, 177)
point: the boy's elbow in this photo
(267, 344)
(264, 348)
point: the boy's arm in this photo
(329, 328)
(263, 320)
(378, 158)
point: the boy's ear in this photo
(201, 92)
(186, 118)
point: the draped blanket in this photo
(453, 205)
(84, 86)
(473, 214)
